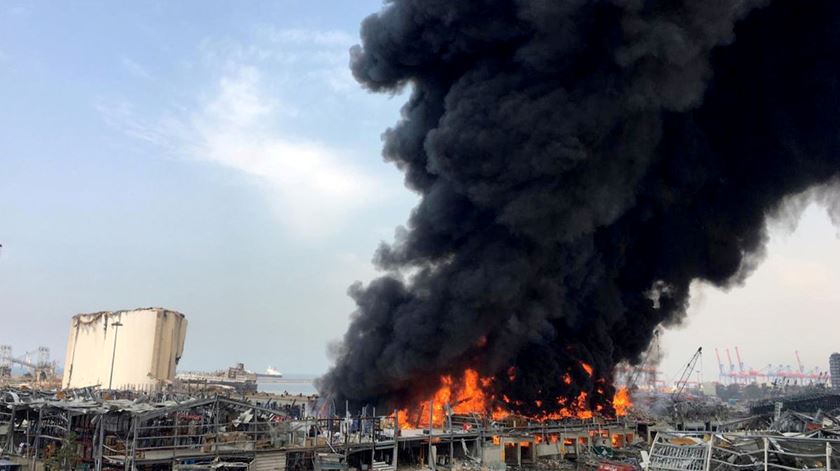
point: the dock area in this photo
(124, 430)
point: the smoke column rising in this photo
(580, 164)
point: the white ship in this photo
(271, 375)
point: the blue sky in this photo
(217, 158)
(211, 157)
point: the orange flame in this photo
(468, 396)
(621, 402)
(465, 397)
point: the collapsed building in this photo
(742, 451)
(132, 430)
(100, 429)
(800, 432)
(131, 349)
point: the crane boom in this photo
(729, 357)
(738, 356)
(721, 368)
(686, 374)
(637, 370)
(22, 362)
(799, 362)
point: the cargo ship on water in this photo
(236, 377)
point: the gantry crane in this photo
(721, 368)
(42, 369)
(637, 371)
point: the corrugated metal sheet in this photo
(269, 462)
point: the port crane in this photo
(721, 368)
(774, 374)
(643, 365)
(41, 369)
(686, 374)
(731, 365)
(740, 363)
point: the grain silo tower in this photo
(134, 349)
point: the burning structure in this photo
(135, 349)
(135, 430)
(580, 164)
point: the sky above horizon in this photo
(218, 159)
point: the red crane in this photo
(731, 365)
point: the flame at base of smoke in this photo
(469, 395)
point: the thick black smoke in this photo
(580, 163)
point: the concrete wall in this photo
(148, 346)
(550, 449)
(493, 456)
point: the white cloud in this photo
(329, 55)
(299, 55)
(122, 115)
(263, 88)
(135, 68)
(316, 190)
(333, 38)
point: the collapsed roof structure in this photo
(128, 429)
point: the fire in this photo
(583, 411)
(469, 394)
(464, 397)
(499, 414)
(621, 402)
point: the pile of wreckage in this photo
(786, 434)
(122, 429)
(687, 451)
(818, 424)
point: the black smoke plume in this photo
(580, 163)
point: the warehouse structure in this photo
(133, 430)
